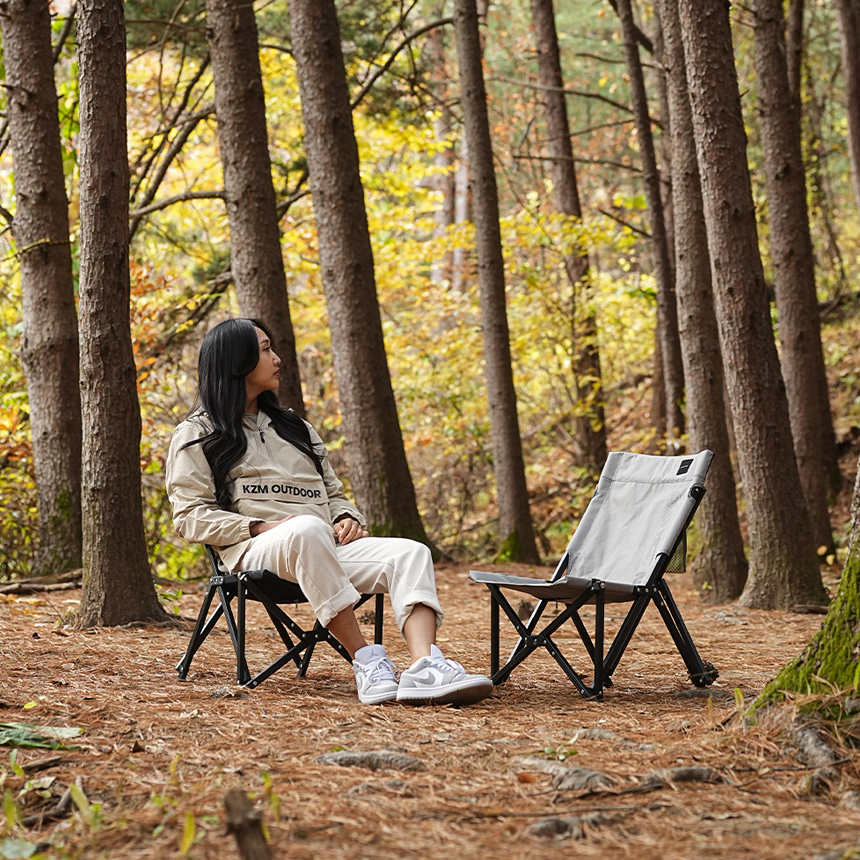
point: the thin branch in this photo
(388, 63)
(604, 161)
(64, 33)
(298, 193)
(624, 223)
(641, 38)
(175, 148)
(609, 61)
(174, 120)
(216, 194)
(565, 90)
(6, 215)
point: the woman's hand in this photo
(259, 528)
(348, 530)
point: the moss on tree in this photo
(831, 659)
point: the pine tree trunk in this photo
(590, 428)
(794, 50)
(783, 565)
(443, 157)
(515, 525)
(255, 240)
(374, 446)
(665, 138)
(719, 568)
(849, 31)
(49, 344)
(667, 312)
(831, 660)
(117, 587)
(462, 263)
(791, 250)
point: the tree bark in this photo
(590, 427)
(117, 586)
(831, 660)
(443, 157)
(665, 137)
(374, 446)
(719, 568)
(462, 263)
(794, 50)
(255, 239)
(802, 356)
(515, 525)
(49, 344)
(783, 565)
(849, 32)
(667, 312)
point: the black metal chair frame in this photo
(270, 591)
(702, 673)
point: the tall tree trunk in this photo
(515, 524)
(374, 446)
(667, 312)
(665, 137)
(255, 240)
(49, 345)
(117, 587)
(443, 157)
(791, 249)
(831, 660)
(783, 565)
(794, 51)
(849, 32)
(590, 428)
(719, 568)
(461, 263)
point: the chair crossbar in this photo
(270, 591)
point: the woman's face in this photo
(265, 376)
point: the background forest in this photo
(408, 118)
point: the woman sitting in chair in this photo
(253, 479)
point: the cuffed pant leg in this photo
(401, 567)
(302, 550)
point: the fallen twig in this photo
(60, 809)
(245, 823)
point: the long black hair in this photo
(229, 352)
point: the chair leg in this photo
(625, 634)
(201, 630)
(236, 631)
(377, 619)
(702, 674)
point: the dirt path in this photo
(157, 756)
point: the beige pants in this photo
(333, 577)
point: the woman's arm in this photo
(191, 489)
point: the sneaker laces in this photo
(380, 669)
(447, 665)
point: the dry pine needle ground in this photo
(157, 756)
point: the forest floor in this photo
(156, 756)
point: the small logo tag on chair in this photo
(684, 467)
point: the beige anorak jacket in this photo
(273, 480)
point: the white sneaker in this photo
(434, 680)
(375, 675)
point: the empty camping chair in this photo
(271, 592)
(632, 533)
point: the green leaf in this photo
(17, 734)
(15, 849)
